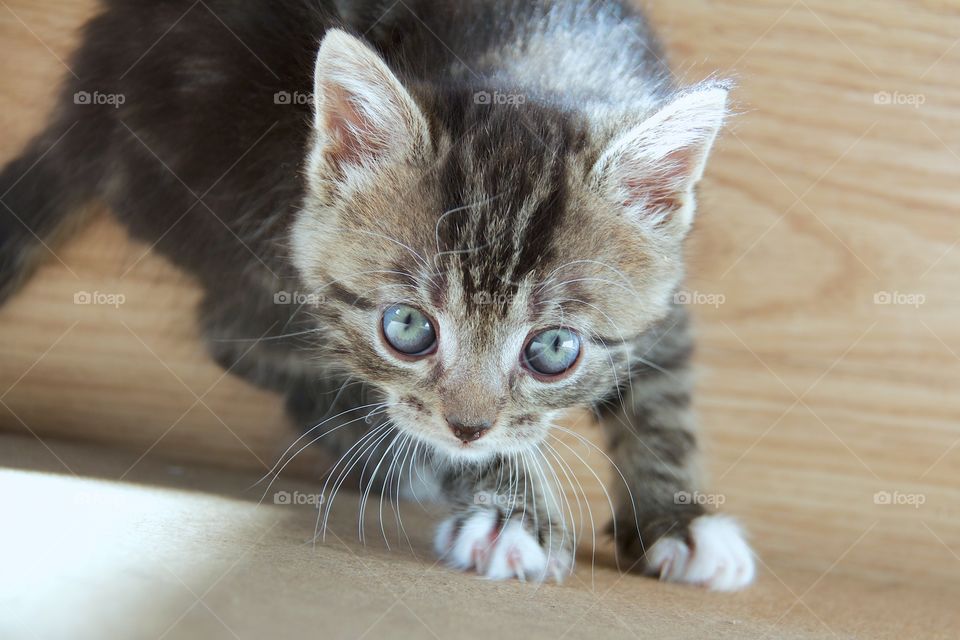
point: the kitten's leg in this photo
(663, 527)
(506, 522)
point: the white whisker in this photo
(268, 338)
(369, 483)
(364, 443)
(613, 513)
(420, 258)
(562, 496)
(597, 262)
(407, 448)
(571, 476)
(377, 406)
(401, 439)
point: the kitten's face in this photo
(485, 267)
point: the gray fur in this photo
(565, 205)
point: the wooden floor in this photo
(824, 277)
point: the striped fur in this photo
(504, 165)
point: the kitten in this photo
(482, 207)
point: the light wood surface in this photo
(821, 200)
(183, 552)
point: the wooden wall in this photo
(824, 274)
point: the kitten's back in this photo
(597, 57)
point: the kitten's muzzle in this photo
(466, 433)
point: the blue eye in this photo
(408, 330)
(552, 352)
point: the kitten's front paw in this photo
(499, 548)
(714, 554)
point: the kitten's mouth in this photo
(451, 447)
(473, 450)
(468, 445)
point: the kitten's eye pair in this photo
(410, 332)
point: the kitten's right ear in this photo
(362, 114)
(651, 169)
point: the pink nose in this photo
(468, 432)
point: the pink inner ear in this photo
(657, 187)
(353, 137)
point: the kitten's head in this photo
(486, 265)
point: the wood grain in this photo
(833, 191)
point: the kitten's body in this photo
(474, 192)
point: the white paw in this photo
(717, 558)
(476, 541)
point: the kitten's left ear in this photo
(363, 115)
(651, 169)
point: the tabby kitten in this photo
(481, 205)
